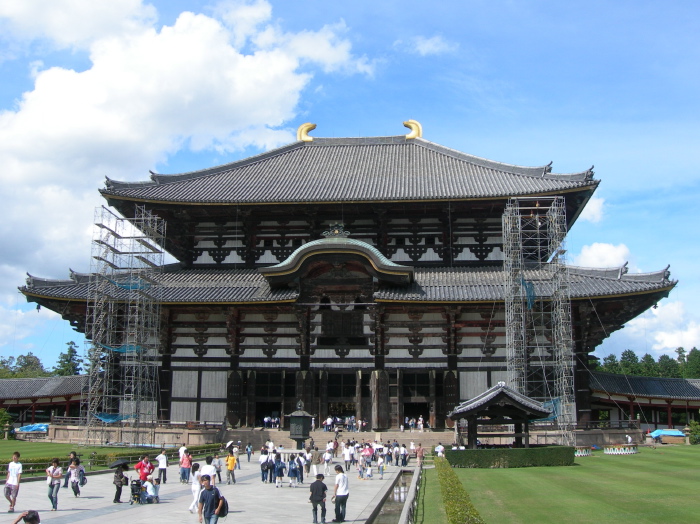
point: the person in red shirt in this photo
(144, 468)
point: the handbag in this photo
(49, 478)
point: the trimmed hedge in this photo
(458, 506)
(511, 457)
(37, 465)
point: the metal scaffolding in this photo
(123, 328)
(539, 346)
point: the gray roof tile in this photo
(351, 170)
(430, 285)
(19, 388)
(671, 388)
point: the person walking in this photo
(77, 472)
(264, 464)
(185, 465)
(162, 460)
(327, 461)
(66, 477)
(120, 480)
(340, 494)
(317, 498)
(196, 486)
(54, 472)
(420, 453)
(210, 502)
(249, 450)
(279, 470)
(230, 467)
(380, 466)
(209, 469)
(12, 480)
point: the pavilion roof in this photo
(329, 170)
(501, 399)
(649, 387)
(460, 284)
(22, 388)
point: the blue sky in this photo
(90, 90)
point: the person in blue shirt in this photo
(210, 502)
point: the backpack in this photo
(223, 512)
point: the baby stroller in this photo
(135, 492)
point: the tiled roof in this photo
(655, 387)
(430, 285)
(475, 404)
(352, 170)
(20, 388)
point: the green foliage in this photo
(668, 367)
(694, 432)
(458, 506)
(629, 362)
(511, 457)
(25, 366)
(5, 418)
(69, 363)
(611, 365)
(648, 366)
(691, 369)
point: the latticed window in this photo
(342, 328)
(416, 385)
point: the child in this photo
(318, 498)
(293, 471)
(380, 466)
(156, 489)
(14, 476)
(280, 468)
(76, 473)
(230, 467)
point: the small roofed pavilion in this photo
(500, 405)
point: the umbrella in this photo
(118, 462)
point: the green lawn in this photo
(656, 485)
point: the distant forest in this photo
(685, 365)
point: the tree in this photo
(610, 364)
(692, 364)
(648, 366)
(629, 362)
(668, 367)
(69, 363)
(29, 366)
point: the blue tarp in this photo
(34, 427)
(667, 433)
(126, 348)
(110, 418)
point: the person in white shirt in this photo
(347, 456)
(340, 494)
(182, 450)
(14, 476)
(162, 460)
(148, 496)
(209, 469)
(327, 460)
(440, 449)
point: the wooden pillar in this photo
(33, 410)
(234, 396)
(358, 396)
(471, 432)
(527, 434)
(379, 389)
(451, 390)
(631, 408)
(323, 394)
(668, 412)
(518, 426)
(432, 399)
(250, 400)
(67, 409)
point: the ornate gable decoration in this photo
(336, 230)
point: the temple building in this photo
(363, 276)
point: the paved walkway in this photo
(250, 501)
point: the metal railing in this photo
(408, 514)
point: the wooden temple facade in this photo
(363, 276)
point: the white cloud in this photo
(148, 94)
(424, 46)
(602, 255)
(243, 17)
(669, 326)
(593, 212)
(74, 23)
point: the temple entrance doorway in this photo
(415, 410)
(266, 409)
